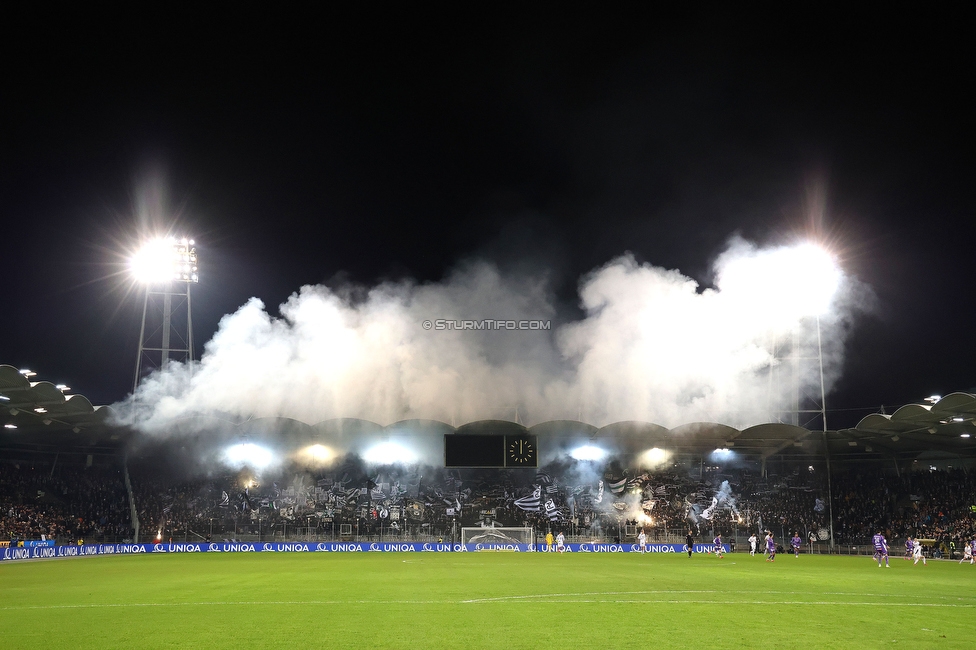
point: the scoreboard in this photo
(490, 450)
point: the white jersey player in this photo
(560, 542)
(752, 544)
(917, 554)
(967, 553)
(642, 541)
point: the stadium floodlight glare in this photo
(588, 452)
(10, 426)
(249, 454)
(27, 373)
(165, 259)
(653, 456)
(932, 399)
(789, 282)
(40, 409)
(63, 388)
(316, 455)
(4, 398)
(388, 453)
(963, 435)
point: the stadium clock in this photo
(521, 452)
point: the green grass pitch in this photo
(484, 600)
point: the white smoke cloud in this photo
(651, 345)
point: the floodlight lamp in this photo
(316, 454)
(165, 260)
(588, 452)
(249, 455)
(932, 399)
(963, 435)
(63, 388)
(801, 280)
(4, 398)
(40, 409)
(10, 426)
(27, 373)
(388, 453)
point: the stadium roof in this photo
(39, 412)
(946, 426)
(41, 415)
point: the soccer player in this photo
(752, 544)
(909, 548)
(549, 542)
(880, 549)
(917, 553)
(690, 542)
(560, 542)
(718, 545)
(642, 541)
(967, 553)
(795, 543)
(770, 547)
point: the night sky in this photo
(357, 148)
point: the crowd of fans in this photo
(69, 503)
(63, 503)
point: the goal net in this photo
(497, 536)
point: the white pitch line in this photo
(545, 599)
(235, 603)
(594, 593)
(747, 602)
(692, 591)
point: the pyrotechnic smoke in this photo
(652, 345)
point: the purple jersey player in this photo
(795, 543)
(718, 545)
(880, 549)
(770, 548)
(909, 548)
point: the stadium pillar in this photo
(830, 495)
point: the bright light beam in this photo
(588, 452)
(654, 456)
(165, 259)
(316, 455)
(388, 453)
(249, 455)
(792, 281)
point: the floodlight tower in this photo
(794, 357)
(167, 267)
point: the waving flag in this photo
(551, 510)
(618, 487)
(532, 502)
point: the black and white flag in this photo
(532, 502)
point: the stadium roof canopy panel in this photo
(947, 425)
(30, 409)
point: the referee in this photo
(690, 542)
